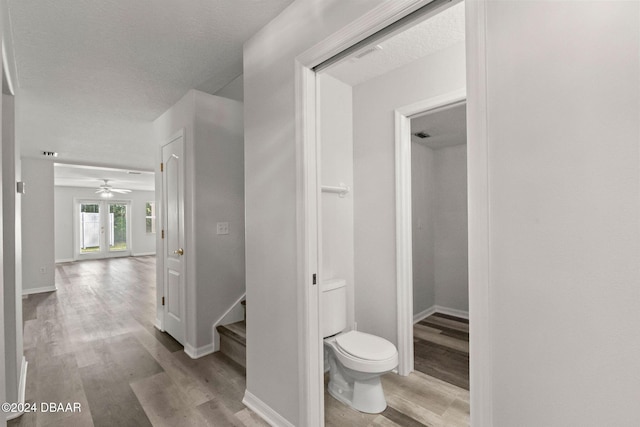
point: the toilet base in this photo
(364, 394)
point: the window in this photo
(151, 217)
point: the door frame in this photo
(77, 255)
(404, 229)
(311, 382)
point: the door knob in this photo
(179, 251)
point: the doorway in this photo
(102, 228)
(355, 170)
(440, 244)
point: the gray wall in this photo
(423, 233)
(564, 211)
(142, 243)
(270, 186)
(451, 259)
(38, 246)
(374, 177)
(233, 90)
(439, 215)
(218, 152)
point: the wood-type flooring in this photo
(93, 342)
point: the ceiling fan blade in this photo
(99, 190)
(120, 190)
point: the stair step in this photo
(233, 341)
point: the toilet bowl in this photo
(356, 362)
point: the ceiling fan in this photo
(106, 190)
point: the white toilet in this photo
(356, 360)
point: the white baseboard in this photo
(144, 254)
(264, 411)
(196, 353)
(424, 314)
(30, 291)
(21, 390)
(440, 309)
(159, 326)
(60, 261)
(452, 312)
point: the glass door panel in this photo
(118, 227)
(90, 228)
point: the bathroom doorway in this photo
(439, 247)
(361, 97)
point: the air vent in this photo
(422, 135)
(50, 154)
(134, 173)
(367, 51)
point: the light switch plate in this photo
(222, 228)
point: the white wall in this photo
(233, 90)
(270, 187)
(142, 243)
(11, 205)
(38, 247)
(439, 216)
(336, 135)
(563, 108)
(450, 228)
(214, 193)
(374, 177)
(218, 197)
(423, 221)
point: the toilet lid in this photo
(365, 346)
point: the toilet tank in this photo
(333, 306)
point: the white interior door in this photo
(173, 253)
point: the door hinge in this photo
(314, 278)
(162, 300)
(162, 236)
(161, 167)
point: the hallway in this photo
(93, 342)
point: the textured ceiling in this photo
(435, 33)
(447, 127)
(93, 75)
(92, 177)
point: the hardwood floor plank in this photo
(450, 317)
(400, 418)
(444, 330)
(453, 324)
(442, 362)
(420, 333)
(111, 399)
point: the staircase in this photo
(233, 340)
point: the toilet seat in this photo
(365, 346)
(373, 361)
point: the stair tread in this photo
(236, 331)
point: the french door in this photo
(102, 228)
